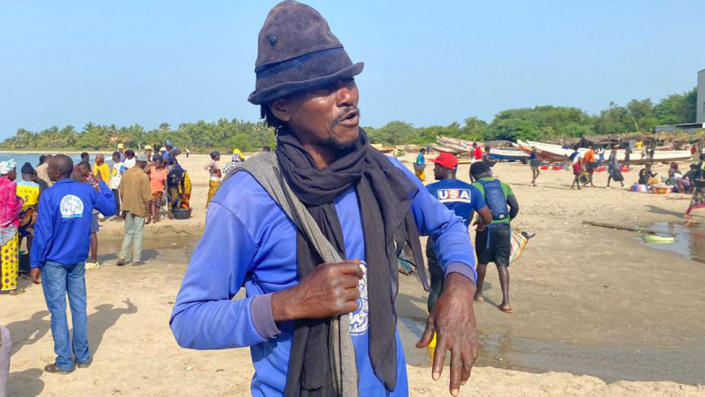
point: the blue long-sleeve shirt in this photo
(249, 239)
(63, 228)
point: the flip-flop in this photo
(53, 369)
(17, 291)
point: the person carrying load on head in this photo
(493, 240)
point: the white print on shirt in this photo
(71, 206)
(454, 195)
(358, 318)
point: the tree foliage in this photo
(222, 134)
(540, 122)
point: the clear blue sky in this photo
(124, 62)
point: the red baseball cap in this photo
(446, 160)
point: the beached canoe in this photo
(556, 153)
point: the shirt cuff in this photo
(461, 268)
(262, 319)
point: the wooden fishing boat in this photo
(507, 154)
(556, 153)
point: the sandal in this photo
(17, 291)
(53, 369)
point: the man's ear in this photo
(280, 109)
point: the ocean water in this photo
(33, 158)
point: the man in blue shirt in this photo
(366, 204)
(461, 198)
(58, 255)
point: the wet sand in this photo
(596, 311)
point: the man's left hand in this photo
(453, 321)
(36, 275)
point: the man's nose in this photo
(346, 94)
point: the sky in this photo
(427, 63)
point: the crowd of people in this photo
(584, 165)
(56, 209)
(139, 185)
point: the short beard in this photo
(334, 144)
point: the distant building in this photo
(699, 124)
(688, 127)
(700, 117)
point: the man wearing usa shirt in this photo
(461, 198)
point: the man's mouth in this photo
(350, 118)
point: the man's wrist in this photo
(457, 282)
(283, 309)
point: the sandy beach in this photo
(596, 312)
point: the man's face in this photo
(326, 116)
(52, 171)
(99, 159)
(438, 172)
(83, 171)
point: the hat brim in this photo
(281, 90)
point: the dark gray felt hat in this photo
(296, 51)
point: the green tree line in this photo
(538, 123)
(550, 122)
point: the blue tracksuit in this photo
(249, 240)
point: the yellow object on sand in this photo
(432, 346)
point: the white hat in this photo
(7, 166)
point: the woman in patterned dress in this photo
(10, 206)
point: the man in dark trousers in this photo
(461, 198)
(318, 328)
(58, 256)
(493, 239)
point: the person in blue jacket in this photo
(58, 256)
(369, 206)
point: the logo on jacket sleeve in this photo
(454, 195)
(71, 206)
